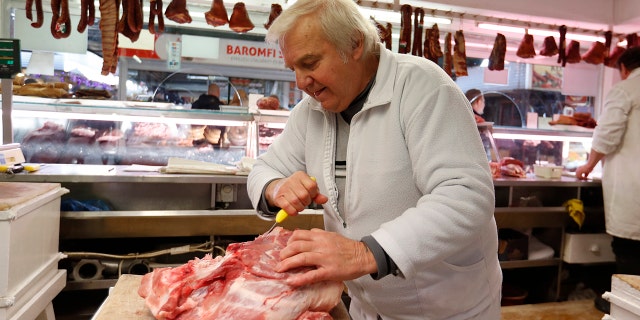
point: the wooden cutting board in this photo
(124, 303)
(15, 193)
(566, 310)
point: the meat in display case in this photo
(114, 132)
(270, 124)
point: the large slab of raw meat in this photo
(240, 285)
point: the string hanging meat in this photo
(562, 46)
(384, 32)
(60, 21)
(596, 53)
(177, 12)
(496, 59)
(632, 40)
(240, 21)
(432, 44)
(573, 52)
(526, 49)
(276, 10)
(217, 15)
(87, 14)
(459, 54)
(130, 24)
(405, 29)
(39, 13)
(109, 13)
(447, 60)
(607, 45)
(549, 47)
(418, 20)
(155, 11)
(614, 55)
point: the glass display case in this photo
(120, 132)
(566, 146)
(269, 125)
(126, 132)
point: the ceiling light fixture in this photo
(538, 32)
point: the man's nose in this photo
(303, 80)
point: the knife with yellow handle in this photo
(281, 215)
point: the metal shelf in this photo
(175, 223)
(530, 263)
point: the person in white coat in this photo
(388, 145)
(616, 142)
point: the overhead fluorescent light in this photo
(522, 136)
(197, 77)
(538, 32)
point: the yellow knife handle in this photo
(283, 214)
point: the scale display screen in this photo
(9, 58)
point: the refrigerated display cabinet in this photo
(120, 132)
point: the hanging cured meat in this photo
(549, 47)
(612, 62)
(526, 49)
(240, 21)
(109, 11)
(60, 21)
(496, 59)
(404, 46)
(432, 49)
(562, 46)
(39, 13)
(177, 12)
(276, 10)
(155, 11)
(130, 24)
(607, 42)
(87, 14)
(447, 61)
(596, 53)
(459, 55)
(427, 51)
(418, 21)
(573, 52)
(632, 40)
(217, 15)
(384, 32)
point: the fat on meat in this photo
(242, 284)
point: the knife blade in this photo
(279, 218)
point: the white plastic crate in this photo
(29, 235)
(624, 297)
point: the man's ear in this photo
(358, 47)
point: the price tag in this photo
(174, 55)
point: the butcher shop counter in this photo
(154, 204)
(151, 204)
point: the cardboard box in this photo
(512, 245)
